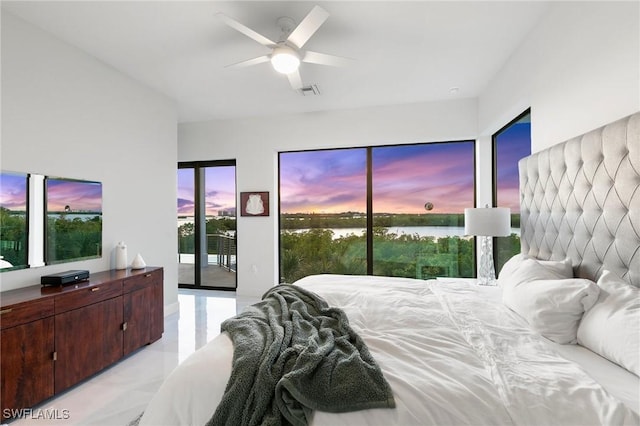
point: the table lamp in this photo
(487, 222)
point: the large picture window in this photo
(510, 144)
(419, 196)
(323, 204)
(389, 210)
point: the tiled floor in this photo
(120, 393)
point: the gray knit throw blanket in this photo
(294, 354)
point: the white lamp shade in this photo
(285, 60)
(488, 221)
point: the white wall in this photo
(578, 70)
(254, 143)
(66, 114)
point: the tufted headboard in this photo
(581, 199)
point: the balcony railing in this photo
(221, 251)
(224, 247)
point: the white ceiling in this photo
(403, 52)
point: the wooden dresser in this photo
(51, 338)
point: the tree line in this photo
(73, 239)
(359, 220)
(316, 251)
(13, 237)
(66, 239)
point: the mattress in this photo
(452, 354)
(619, 382)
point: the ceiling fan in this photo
(287, 54)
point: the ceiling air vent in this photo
(310, 90)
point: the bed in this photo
(556, 342)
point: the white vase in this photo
(138, 262)
(121, 256)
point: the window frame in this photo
(369, 195)
(494, 167)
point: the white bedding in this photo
(452, 353)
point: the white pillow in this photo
(522, 268)
(612, 327)
(552, 307)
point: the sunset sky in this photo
(328, 181)
(78, 195)
(13, 191)
(220, 189)
(404, 179)
(512, 144)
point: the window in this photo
(74, 220)
(419, 196)
(510, 144)
(390, 210)
(13, 220)
(323, 204)
(48, 220)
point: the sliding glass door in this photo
(207, 225)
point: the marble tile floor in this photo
(118, 394)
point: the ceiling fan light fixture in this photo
(285, 60)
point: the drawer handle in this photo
(95, 289)
(147, 275)
(6, 311)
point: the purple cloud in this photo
(404, 178)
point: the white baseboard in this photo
(171, 309)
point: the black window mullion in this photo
(197, 228)
(369, 230)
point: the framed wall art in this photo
(254, 204)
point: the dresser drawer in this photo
(87, 296)
(141, 281)
(22, 313)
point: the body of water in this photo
(422, 231)
(71, 216)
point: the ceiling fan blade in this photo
(308, 26)
(295, 80)
(246, 30)
(249, 62)
(324, 59)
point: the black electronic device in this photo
(67, 277)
